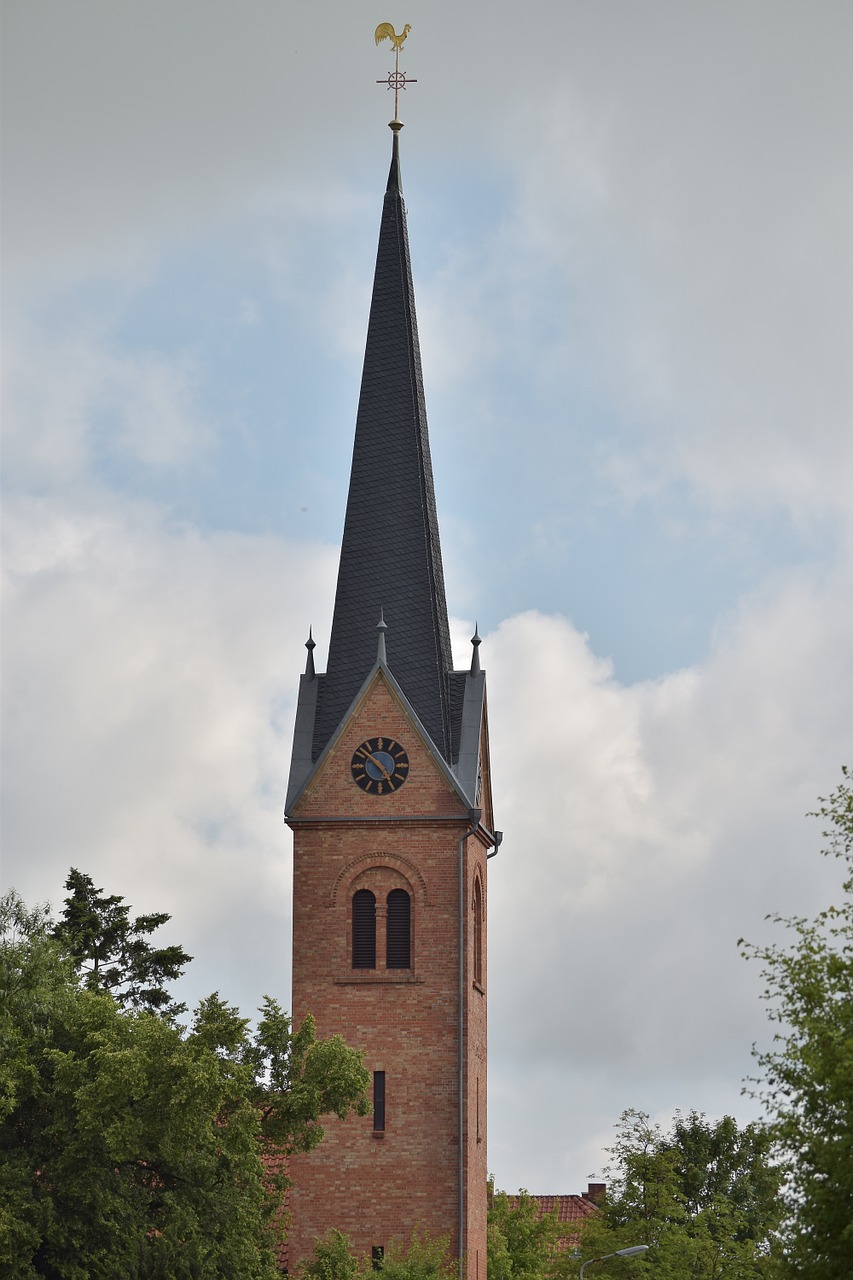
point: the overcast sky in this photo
(631, 237)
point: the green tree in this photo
(807, 1076)
(703, 1196)
(521, 1243)
(130, 1148)
(332, 1259)
(424, 1258)
(112, 952)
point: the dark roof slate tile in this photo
(390, 553)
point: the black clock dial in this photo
(379, 766)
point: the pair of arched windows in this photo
(398, 930)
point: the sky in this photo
(630, 224)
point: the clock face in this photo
(379, 766)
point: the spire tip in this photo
(310, 646)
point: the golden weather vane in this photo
(395, 79)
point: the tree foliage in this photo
(807, 1076)
(132, 1148)
(521, 1243)
(702, 1196)
(332, 1259)
(424, 1258)
(112, 952)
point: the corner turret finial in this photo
(395, 79)
(310, 646)
(475, 656)
(381, 627)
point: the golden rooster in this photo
(386, 32)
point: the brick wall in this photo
(381, 1186)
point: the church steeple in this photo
(390, 554)
(389, 801)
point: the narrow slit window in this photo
(398, 937)
(478, 932)
(363, 930)
(377, 1256)
(378, 1101)
(479, 1131)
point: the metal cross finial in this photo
(395, 79)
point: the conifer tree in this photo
(112, 953)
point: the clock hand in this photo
(380, 765)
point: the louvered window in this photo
(478, 932)
(363, 930)
(398, 944)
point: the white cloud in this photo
(676, 241)
(150, 677)
(136, 122)
(70, 399)
(663, 220)
(647, 829)
(149, 680)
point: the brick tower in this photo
(390, 805)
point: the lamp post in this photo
(620, 1253)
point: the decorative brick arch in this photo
(371, 861)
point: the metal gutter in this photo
(474, 816)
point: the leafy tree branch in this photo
(806, 1077)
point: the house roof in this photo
(275, 1164)
(390, 552)
(571, 1210)
(567, 1208)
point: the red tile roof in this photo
(569, 1210)
(276, 1165)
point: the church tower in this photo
(390, 805)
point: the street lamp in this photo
(620, 1253)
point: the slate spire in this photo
(390, 554)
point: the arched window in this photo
(398, 938)
(478, 931)
(363, 930)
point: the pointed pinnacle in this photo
(475, 656)
(310, 646)
(381, 627)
